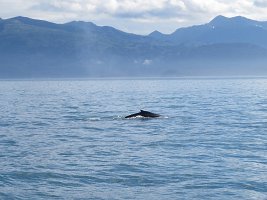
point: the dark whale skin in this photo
(143, 113)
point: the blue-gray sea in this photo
(68, 139)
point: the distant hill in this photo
(32, 48)
(220, 30)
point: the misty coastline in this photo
(39, 49)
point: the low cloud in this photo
(149, 10)
(261, 3)
(138, 16)
(59, 6)
(116, 8)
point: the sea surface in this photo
(68, 139)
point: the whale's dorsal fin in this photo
(143, 113)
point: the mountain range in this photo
(31, 48)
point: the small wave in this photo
(147, 118)
(94, 119)
(118, 117)
(3, 124)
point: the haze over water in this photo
(69, 139)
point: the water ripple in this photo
(70, 140)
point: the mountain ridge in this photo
(221, 30)
(38, 48)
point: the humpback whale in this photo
(143, 113)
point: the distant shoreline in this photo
(135, 78)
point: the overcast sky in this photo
(136, 16)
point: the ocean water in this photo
(68, 139)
